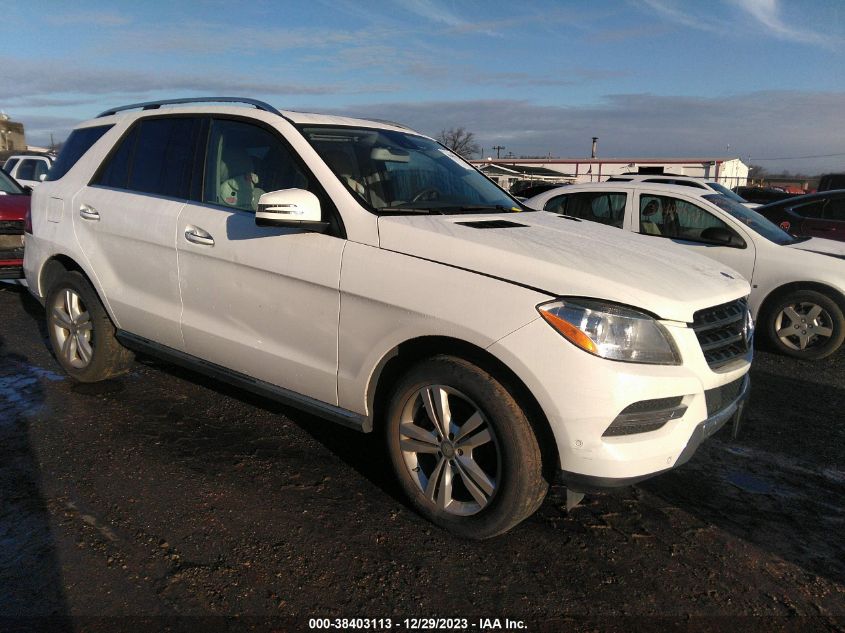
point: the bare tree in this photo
(459, 141)
(757, 170)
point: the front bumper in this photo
(734, 411)
(581, 396)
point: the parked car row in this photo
(361, 271)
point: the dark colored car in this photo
(816, 214)
(831, 181)
(761, 195)
(531, 190)
(14, 205)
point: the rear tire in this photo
(463, 449)
(805, 324)
(81, 332)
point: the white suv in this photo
(28, 169)
(361, 271)
(713, 186)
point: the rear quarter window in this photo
(79, 142)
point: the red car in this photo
(819, 214)
(14, 207)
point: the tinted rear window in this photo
(164, 157)
(79, 142)
(155, 157)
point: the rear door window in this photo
(836, 210)
(813, 210)
(164, 156)
(602, 207)
(155, 157)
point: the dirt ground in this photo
(166, 501)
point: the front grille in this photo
(720, 397)
(722, 332)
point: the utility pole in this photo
(498, 149)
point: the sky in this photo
(763, 80)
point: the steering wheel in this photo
(427, 194)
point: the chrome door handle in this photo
(198, 236)
(88, 213)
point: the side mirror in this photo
(42, 177)
(27, 190)
(291, 208)
(722, 237)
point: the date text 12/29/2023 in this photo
(417, 624)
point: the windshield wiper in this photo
(481, 208)
(407, 211)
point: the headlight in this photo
(611, 331)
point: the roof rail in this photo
(393, 123)
(155, 105)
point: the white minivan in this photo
(363, 272)
(797, 283)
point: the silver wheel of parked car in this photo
(71, 325)
(805, 324)
(462, 447)
(81, 332)
(450, 450)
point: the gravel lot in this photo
(163, 500)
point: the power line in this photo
(797, 157)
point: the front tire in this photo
(81, 332)
(463, 449)
(805, 324)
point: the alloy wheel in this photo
(72, 329)
(802, 325)
(450, 450)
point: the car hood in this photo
(820, 245)
(566, 257)
(13, 207)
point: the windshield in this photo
(396, 172)
(726, 192)
(751, 219)
(7, 185)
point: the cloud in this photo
(218, 39)
(767, 14)
(669, 11)
(756, 125)
(433, 12)
(25, 84)
(89, 18)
